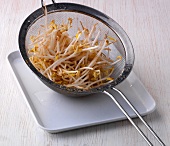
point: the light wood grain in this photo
(147, 24)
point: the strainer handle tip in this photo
(130, 119)
(42, 2)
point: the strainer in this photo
(88, 16)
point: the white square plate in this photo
(54, 112)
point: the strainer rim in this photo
(70, 7)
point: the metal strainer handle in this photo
(130, 119)
(43, 1)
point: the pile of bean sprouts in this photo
(73, 61)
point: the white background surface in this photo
(147, 24)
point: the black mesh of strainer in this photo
(88, 16)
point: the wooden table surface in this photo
(147, 22)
